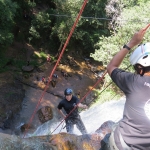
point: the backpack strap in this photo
(124, 145)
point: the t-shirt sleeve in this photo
(122, 79)
(76, 99)
(60, 105)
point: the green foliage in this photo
(87, 30)
(23, 5)
(67, 12)
(3, 62)
(63, 24)
(18, 63)
(91, 28)
(39, 59)
(7, 14)
(34, 33)
(128, 23)
(40, 25)
(40, 28)
(132, 3)
(107, 95)
(130, 20)
(6, 38)
(31, 4)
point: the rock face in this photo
(62, 141)
(45, 114)
(77, 75)
(27, 68)
(11, 97)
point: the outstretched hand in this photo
(138, 37)
(147, 27)
(85, 106)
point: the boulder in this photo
(27, 68)
(45, 114)
(61, 141)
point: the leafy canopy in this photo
(7, 14)
(131, 20)
(87, 30)
(40, 25)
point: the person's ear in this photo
(139, 69)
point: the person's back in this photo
(133, 131)
(135, 124)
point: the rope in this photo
(99, 18)
(70, 34)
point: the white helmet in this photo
(141, 55)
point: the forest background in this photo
(105, 26)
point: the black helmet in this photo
(68, 91)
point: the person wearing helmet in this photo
(71, 114)
(133, 131)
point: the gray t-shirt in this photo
(135, 125)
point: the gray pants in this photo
(70, 122)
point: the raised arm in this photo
(118, 58)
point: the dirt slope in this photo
(19, 99)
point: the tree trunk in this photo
(59, 50)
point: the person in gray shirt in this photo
(133, 131)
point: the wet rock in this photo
(45, 114)
(27, 68)
(105, 128)
(61, 141)
(53, 83)
(8, 121)
(25, 127)
(11, 97)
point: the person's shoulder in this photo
(63, 100)
(122, 74)
(117, 70)
(74, 97)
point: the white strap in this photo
(112, 144)
(124, 145)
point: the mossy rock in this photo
(45, 114)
